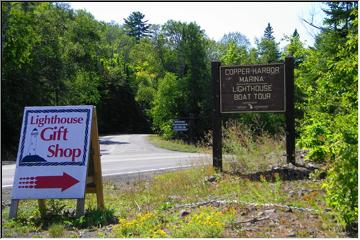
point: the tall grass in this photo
(250, 152)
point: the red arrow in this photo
(64, 182)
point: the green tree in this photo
(237, 38)
(167, 102)
(235, 49)
(136, 27)
(296, 49)
(267, 47)
(234, 55)
(118, 109)
(329, 78)
(268, 33)
(339, 15)
(33, 69)
(187, 57)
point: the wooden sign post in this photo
(290, 113)
(217, 135)
(52, 161)
(253, 88)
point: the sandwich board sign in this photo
(53, 155)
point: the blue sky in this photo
(219, 18)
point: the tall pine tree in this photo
(268, 33)
(268, 48)
(136, 27)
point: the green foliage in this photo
(151, 208)
(234, 55)
(84, 88)
(206, 222)
(136, 26)
(186, 57)
(167, 103)
(237, 38)
(56, 230)
(339, 15)
(268, 33)
(342, 185)
(267, 47)
(93, 217)
(144, 225)
(53, 55)
(27, 79)
(329, 78)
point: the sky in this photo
(219, 18)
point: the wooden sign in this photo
(52, 161)
(252, 88)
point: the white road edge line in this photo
(132, 172)
(148, 170)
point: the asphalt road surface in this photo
(129, 155)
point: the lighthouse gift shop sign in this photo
(53, 153)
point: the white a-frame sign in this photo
(55, 146)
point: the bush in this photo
(342, 186)
(330, 126)
(166, 104)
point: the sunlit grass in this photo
(153, 208)
(176, 145)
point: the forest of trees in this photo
(142, 76)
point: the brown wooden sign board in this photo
(93, 179)
(252, 88)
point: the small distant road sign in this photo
(180, 126)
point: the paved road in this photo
(130, 154)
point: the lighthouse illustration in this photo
(31, 155)
(33, 141)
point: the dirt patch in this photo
(274, 222)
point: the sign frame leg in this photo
(217, 134)
(96, 161)
(290, 114)
(80, 207)
(42, 207)
(14, 208)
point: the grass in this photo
(159, 207)
(251, 152)
(154, 209)
(245, 150)
(56, 230)
(176, 145)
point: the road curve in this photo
(130, 154)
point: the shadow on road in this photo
(108, 142)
